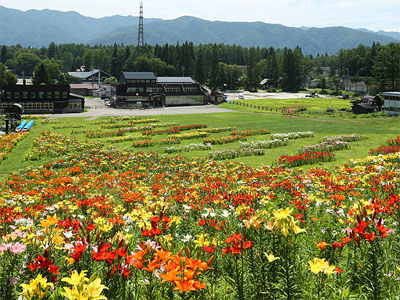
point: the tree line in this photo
(219, 66)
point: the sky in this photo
(371, 14)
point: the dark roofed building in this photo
(144, 89)
(138, 77)
(367, 104)
(42, 98)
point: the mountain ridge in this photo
(37, 28)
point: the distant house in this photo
(359, 86)
(391, 105)
(324, 71)
(83, 89)
(95, 76)
(243, 69)
(265, 84)
(315, 83)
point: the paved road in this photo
(96, 108)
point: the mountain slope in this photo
(38, 28)
(311, 40)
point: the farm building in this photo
(94, 76)
(391, 103)
(83, 89)
(42, 98)
(144, 89)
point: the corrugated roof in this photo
(177, 80)
(391, 93)
(139, 75)
(84, 75)
(84, 86)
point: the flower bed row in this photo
(251, 132)
(170, 141)
(187, 148)
(8, 142)
(235, 153)
(154, 132)
(225, 139)
(116, 119)
(217, 129)
(266, 144)
(190, 127)
(190, 135)
(345, 138)
(50, 144)
(293, 135)
(306, 158)
(93, 135)
(331, 145)
(143, 144)
(391, 146)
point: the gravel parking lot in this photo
(96, 108)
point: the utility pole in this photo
(140, 33)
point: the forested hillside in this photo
(216, 65)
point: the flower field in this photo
(97, 222)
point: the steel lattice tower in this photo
(140, 33)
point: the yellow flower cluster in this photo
(321, 265)
(36, 289)
(284, 221)
(83, 288)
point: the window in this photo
(38, 106)
(65, 95)
(8, 94)
(25, 94)
(74, 105)
(33, 95)
(41, 94)
(57, 94)
(172, 89)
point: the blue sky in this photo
(371, 14)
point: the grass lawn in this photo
(378, 130)
(309, 104)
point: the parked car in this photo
(240, 97)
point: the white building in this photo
(391, 104)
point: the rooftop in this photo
(391, 93)
(84, 75)
(139, 75)
(177, 80)
(84, 86)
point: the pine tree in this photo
(3, 55)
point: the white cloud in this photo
(371, 14)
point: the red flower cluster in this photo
(44, 263)
(236, 244)
(385, 150)
(306, 158)
(214, 223)
(360, 231)
(156, 223)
